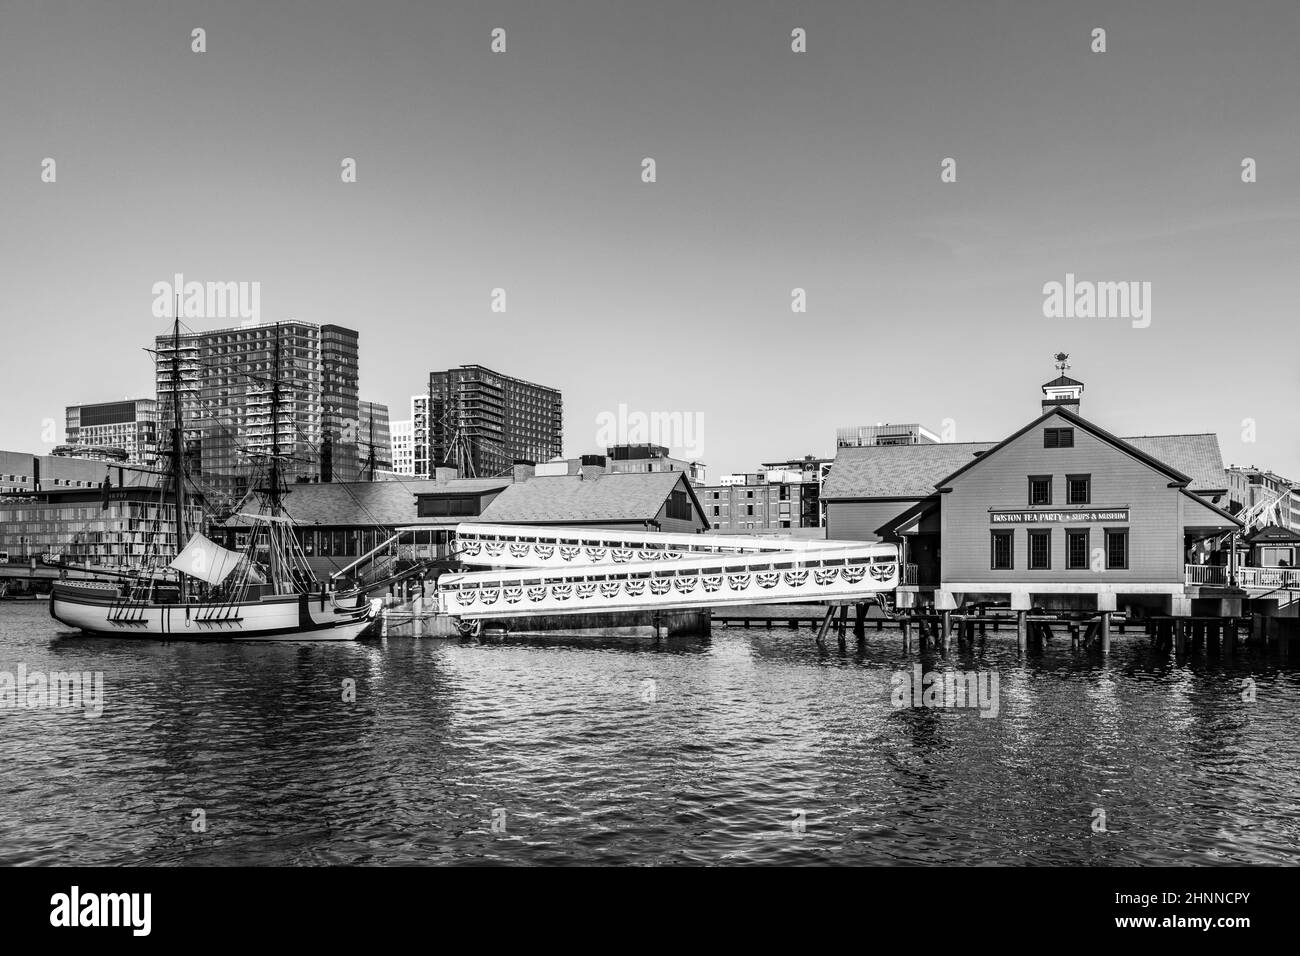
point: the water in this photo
(747, 730)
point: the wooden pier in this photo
(1085, 630)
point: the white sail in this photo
(206, 560)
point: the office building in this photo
(232, 416)
(481, 422)
(884, 434)
(1256, 488)
(130, 425)
(403, 439)
(783, 497)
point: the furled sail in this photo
(206, 560)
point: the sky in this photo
(819, 170)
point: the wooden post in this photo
(1105, 632)
(906, 627)
(1180, 637)
(1022, 630)
(945, 629)
(1232, 635)
(860, 621)
(826, 626)
(1074, 633)
(843, 626)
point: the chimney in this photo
(444, 474)
(524, 469)
(589, 466)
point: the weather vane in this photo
(1062, 360)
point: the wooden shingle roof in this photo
(631, 496)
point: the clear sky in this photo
(775, 170)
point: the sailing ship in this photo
(266, 591)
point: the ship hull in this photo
(100, 611)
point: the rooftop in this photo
(383, 503)
(896, 471)
(912, 471)
(631, 496)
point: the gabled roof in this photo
(896, 471)
(1063, 381)
(1272, 533)
(1174, 475)
(617, 496)
(914, 471)
(1211, 515)
(368, 503)
(912, 516)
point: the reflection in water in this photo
(753, 746)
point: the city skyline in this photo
(818, 171)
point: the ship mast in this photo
(273, 496)
(178, 455)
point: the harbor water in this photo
(748, 747)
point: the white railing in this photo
(1268, 578)
(1211, 575)
(1252, 579)
(525, 546)
(830, 574)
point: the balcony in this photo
(1268, 579)
(913, 576)
(1208, 575)
(1252, 579)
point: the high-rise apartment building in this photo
(129, 425)
(232, 413)
(481, 422)
(373, 437)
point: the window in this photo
(1040, 550)
(749, 509)
(1076, 549)
(1078, 489)
(1117, 548)
(431, 506)
(1001, 556)
(679, 506)
(716, 509)
(1040, 489)
(1058, 437)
